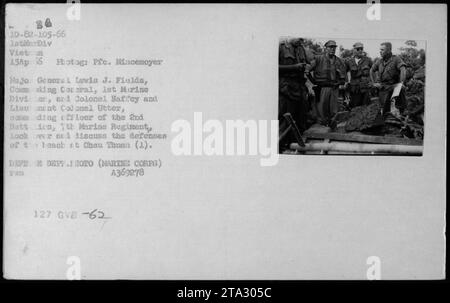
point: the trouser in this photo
(385, 99)
(296, 105)
(327, 103)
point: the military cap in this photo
(358, 44)
(331, 43)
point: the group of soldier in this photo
(313, 83)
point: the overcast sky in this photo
(371, 46)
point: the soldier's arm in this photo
(402, 67)
(348, 79)
(307, 57)
(402, 74)
(343, 73)
(310, 67)
(291, 67)
(373, 69)
(372, 73)
(348, 75)
(310, 71)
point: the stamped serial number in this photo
(94, 214)
(231, 292)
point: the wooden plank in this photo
(359, 137)
(363, 148)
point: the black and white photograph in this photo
(224, 142)
(351, 96)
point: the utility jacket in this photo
(328, 71)
(290, 55)
(389, 70)
(359, 72)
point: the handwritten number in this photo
(96, 214)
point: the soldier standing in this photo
(328, 73)
(292, 89)
(391, 70)
(358, 73)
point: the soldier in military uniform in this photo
(292, 89)
(391, 70)
(358, 73)
(328, 73)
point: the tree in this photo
(415, 75)
(413, 58)
(315, 47)
(411, 43)
(345, 53)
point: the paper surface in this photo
(397, 89)
(134, 209)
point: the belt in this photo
(334, 85)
